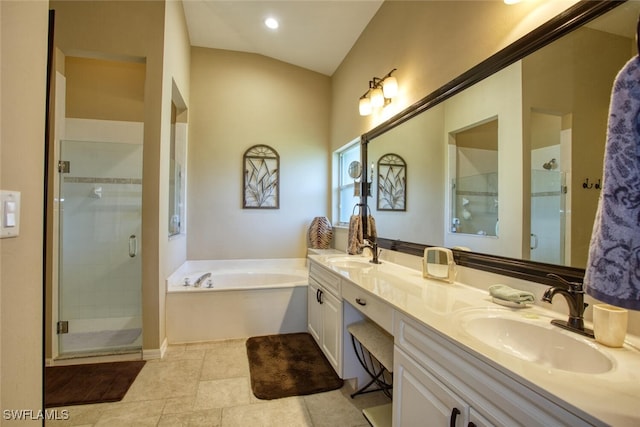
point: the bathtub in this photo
(246, 298)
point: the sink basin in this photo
(536, 340)
(348, 262)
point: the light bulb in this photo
(272, 23)
(390, 87)
(365, 106)
(377, 97)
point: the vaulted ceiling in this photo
(316, 35)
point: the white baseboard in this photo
(155, 353)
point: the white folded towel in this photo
(613, 268)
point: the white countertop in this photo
(612, 397)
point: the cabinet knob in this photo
(361, 301)
(320, 292)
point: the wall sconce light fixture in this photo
(379, 94)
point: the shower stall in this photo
(99, 266)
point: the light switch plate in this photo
(9, 213)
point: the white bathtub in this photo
(247, 298)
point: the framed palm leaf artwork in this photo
(261, 178)
(392, 183)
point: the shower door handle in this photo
(133, 246)
(535, 242)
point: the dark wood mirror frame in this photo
(574, 17)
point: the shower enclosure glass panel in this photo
(548, 189)
(99, 254)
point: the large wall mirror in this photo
(177, 163)
(504, 161)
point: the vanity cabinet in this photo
(325, 314)
(440, 381)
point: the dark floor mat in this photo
(90, 383)
(289, 365)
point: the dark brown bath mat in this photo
(90, 383)
(288, 365)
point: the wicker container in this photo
(320, 233)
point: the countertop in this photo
(612, 397)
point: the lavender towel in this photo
(613, 267)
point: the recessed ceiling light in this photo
(271, 23)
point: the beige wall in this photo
(22, 111)
(239, 100)
(430, 43)
(104, 90)
(176, 74)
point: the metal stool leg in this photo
(377, 375)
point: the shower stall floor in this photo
(101, 341)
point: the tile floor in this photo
(207, 384)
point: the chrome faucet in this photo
(573, 292)
(373, 245)
(199, 280)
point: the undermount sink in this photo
(348, 262)
(534, 339)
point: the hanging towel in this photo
(354, 241)
(613, 266)
(371, 227)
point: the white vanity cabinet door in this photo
(314, 311)
(331, 329)
(324, 314)
(419, 399)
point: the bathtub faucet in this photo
(200, 279)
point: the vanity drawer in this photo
(369, 305)
(328, 280)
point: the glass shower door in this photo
(548, 216)
(99, 295)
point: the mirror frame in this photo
(562, 24)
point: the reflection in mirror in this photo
(438, 264)
(392, 183)
(177, 161)
(416, 141)
(552, 108)
(550, 163)
(475, 186)
(355, 169)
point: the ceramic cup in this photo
(609, 324)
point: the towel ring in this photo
(353, 212)
(357, 205)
